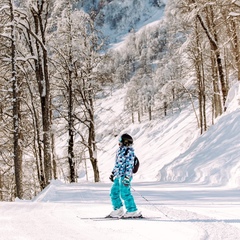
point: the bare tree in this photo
(63, 62)
(90, 78)
(11, 77)
(40, 12)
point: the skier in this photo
(121, 177)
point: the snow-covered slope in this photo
(212, 159)
(170, 149)
(156, 142)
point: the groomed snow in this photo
(175, 211)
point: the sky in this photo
(187, 187)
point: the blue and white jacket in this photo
(124, 162)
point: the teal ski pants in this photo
(120, 192)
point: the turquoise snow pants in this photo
(120, 192)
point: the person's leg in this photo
(126, 195)
(115, 195)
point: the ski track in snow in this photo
(174, 211)
(210, 228)
(205, 227)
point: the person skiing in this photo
(121, 177)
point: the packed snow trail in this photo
(178, 211)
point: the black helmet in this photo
(126, 139)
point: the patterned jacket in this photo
(124, 162)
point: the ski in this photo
(98, 218)
(122, 218)
(139, 217)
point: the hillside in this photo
(156, 142)
(170, 149)
(212, 159)
(116, 18)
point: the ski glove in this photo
(111, 177)
(126, 181)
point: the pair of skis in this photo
(121, 218)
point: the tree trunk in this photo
(216, 92)
(132, 113)
(46, 120)
(203, 96)
(69, 66)
(17, 153)
(92, 141)
(149, 113)
(139, 116)
(37, 143)
(165, 108)
(236, 48)
(199, 68)
(54, 157)
(1, 186)
(70, 129)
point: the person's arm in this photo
(129, 162)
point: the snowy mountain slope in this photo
(116, 18)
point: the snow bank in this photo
(213, 158)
